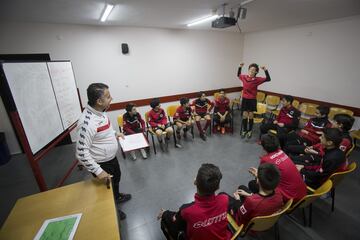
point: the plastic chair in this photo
(310, 198)
(272, 102)
(236, 101)
(337, 178)
(170, 111)
(260, 97)
(336, 110)
(260, 223)
(296, 104)
(355, 135)
(307, 110)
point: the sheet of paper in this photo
(132, 142)
(62, 228)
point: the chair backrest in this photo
(260, 96)
(336, 110)
(296, 104)
(308, 108)
(120, 120)
(337, 177)
(170, 110)
(310, 198)
(261, 108)
(262, 223)
(272, 100)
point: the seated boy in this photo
(267, 201)
(205, 218)
(291, 183)
(183, 119)
(222, 116)
(287, 120)
(316, 170)
(344, 123)
(295, 142)
(159, 123)
(133, 123)
(202, 106)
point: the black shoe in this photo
(123, 198)
(243, 134)
(203, 137)
(122, 215)
(249, 134)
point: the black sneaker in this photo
(122, 215)
(243, 134)
(249, 134)
(123, 198)
(203, 137)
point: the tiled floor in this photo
(165, 181)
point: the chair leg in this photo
(192, 131)
(332, 199)
(174, 136)
(310, 215)
(153, 141)
(123, 154)
(304, 217)
(277, 231)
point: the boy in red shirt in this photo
(183, 118)
(268, 199)
(287, 120)
(344, 123)
(205, 218)
(133, 123)
(249, 102)
(296, 142)
(291, 182)
(202, 106)
(222, 116)
(159, 123)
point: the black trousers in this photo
(112, 167)
(307, 159)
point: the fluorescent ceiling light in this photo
(201, 20)
(107, 12)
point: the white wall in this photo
(318, 61)
(161, 61)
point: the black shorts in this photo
(248, 105)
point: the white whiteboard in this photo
(63, 81)
(33, 94)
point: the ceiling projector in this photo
(223, 22)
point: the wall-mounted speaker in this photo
(124, 48)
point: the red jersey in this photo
(156, 118)
(258, 205)
(222, 105)
(183, 113)
(289, 116)
(291, 183)
(250, 84)
(206, 218)
(202, 107)
(133, 124)
(313, 126)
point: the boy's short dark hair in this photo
(270, 142)
(345, 120)
(201, 93)
(208, 179)
(255, 66)
(323, 110)
(334, 135)
(94, 92)
(154, 103)
(129, 107)
(268, 176)
(184, 101)
(288, 98)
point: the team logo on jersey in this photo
(243, 209)
(161, 115)
(342, 148)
